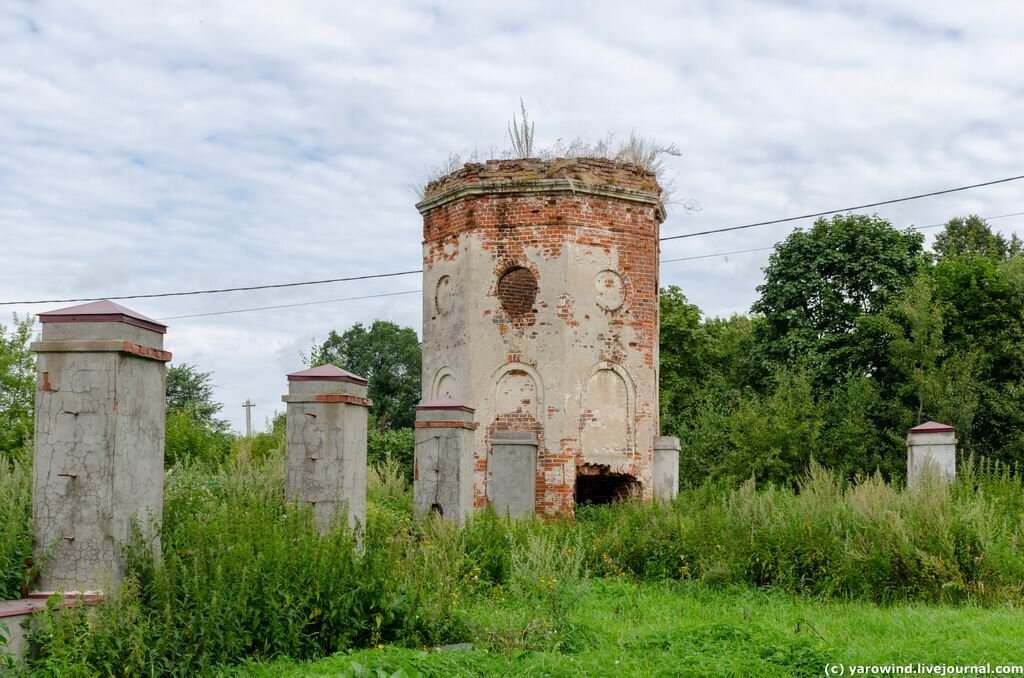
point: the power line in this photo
(413, 272)
(304, 303)
(396, 294)
(715, 254)
(845, 209)
(216, 291)
(765, 249)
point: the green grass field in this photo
(678, 629)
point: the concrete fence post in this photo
(931, 450)
(326, 414)
(666, 468)
(443, 466)
(99, 441)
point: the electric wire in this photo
(394, 274)
(277, 306)
(216, 291)
(770, 247)
(845, 209)
(396, 294)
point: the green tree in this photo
(683, 345)
(701, 359)
(972, 236)
(820, 283)
(190, 389)
(773, 437)
(932, 380)
(388, 356)
(193, 432)
(17, 389)
(392, 446)
(188, 438)
(983, 306)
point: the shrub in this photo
(391, 446)
(15, 525)
(265, 445)
(189, 438)
(387, 486)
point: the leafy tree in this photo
(862, 336)
(925, 378)
(683, 345)
(983, 306)
(388, 356)
(193, 432)
(773, 437)
(700, 359)
(188, 438)
(972, 236)
(17, 389)
(820, 283)
(856, 439)
(392, 445)
(189, 389)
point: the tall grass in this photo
(15, 525)
(870, 540)
(243, 573)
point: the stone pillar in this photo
(931, 449)
(512, 473)
(666, 468)
(99, 441)
(443, 470)
(326, 413)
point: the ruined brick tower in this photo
(540, 312)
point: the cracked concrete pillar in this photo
(326, 414)
(99, 441)
(931, 450)
(443, 470)
(666, 468)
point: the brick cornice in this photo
(146, 352)
(492, 189)
(343, 398)
(446, 424)
(101, 346)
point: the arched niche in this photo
(607, 407)
(518, 389)
(444, 385)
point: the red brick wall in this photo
(507, 223)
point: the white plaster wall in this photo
(469, 350)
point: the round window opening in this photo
(517, 291)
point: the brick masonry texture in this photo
(552, 327)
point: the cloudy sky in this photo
(151, 147)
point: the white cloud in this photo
(201, 144)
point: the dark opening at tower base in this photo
(595, 485)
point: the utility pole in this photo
(248, 417)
